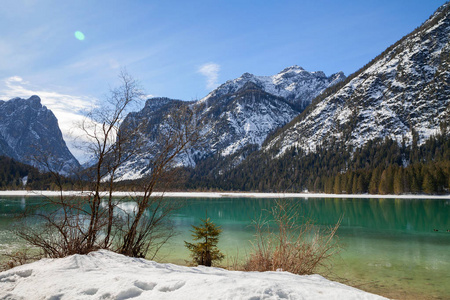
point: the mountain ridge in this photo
(293, 83)
(29, 133)
(402, 73)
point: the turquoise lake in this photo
(399, 248)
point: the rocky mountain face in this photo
(229, 123)
(244, 117)
(403, 94)
(239, 113)
(296, 85)
(29, 130)
(149, 126)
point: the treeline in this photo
(18, 176)
(430, 178)
(15, 175)
(379, 167)
(388, 168)
(260, 172)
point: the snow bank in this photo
(229, 195)
(107, 275)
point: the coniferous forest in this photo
(18, 176)
(379, 167)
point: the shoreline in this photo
(227, 195)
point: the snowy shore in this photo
(107, 275)
(230, 195)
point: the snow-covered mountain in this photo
(296, 85)
(150, 124)
(404, 90)
(245, 110)
(238, 113)
(243, 117)
(29, 130)
(230, 123)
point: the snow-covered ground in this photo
(231, 195)
(107, 275)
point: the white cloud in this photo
(147, 96)
(14, 79)
(211, 72)
(68, 109)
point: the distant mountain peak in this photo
(34, 98)
(35, 102)
(293, 83)
(247, 75)
(294, 68)
(339, 74)
(319, 73)
(156, 102)
(29, 130)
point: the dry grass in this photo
(18, 258)
(232, 261)
(284, 243)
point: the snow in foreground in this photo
(107, 275)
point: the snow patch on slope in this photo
(295, 84)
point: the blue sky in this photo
(183, 49)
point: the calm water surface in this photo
(390, 246)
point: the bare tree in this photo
(178, 133)
(99, 220)
(102, 127)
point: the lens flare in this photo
(79, 35)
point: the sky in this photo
(70, 52)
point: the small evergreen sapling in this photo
(205, 252)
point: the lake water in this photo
(390, 246)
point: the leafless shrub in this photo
(284, 243)
(57, 226)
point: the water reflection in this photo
(406, 215)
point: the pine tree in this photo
(361, 186)
(355, 185)
(205, 252)
(428, 185)
(387, 181)
(398, 181)
(337, 184)
(375, 180)
(383, 186)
